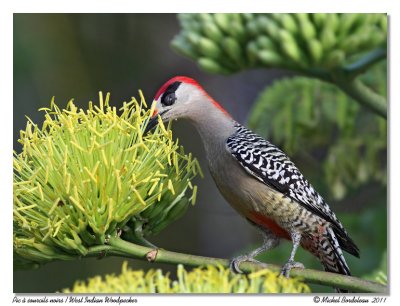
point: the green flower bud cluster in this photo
(317, 116)
(85, 174)
(208, 279)
(227, 43)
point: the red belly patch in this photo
(270, 224)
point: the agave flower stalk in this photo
(85, 175)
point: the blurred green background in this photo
(77, 55)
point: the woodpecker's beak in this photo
(154, 121)
(151, 124)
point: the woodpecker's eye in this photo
(168, 99)
(169, 96)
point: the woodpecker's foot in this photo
(289, 265)
(235, 263)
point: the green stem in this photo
(345, 79)
(363, 95)
(117, 246)
(354, 88)
(138, 251)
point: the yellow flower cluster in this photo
(208, 279)
(88, 174)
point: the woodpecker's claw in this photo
(235, 263)
(289, 265)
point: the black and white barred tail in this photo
(332, 258)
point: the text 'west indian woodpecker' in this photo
(258, 180)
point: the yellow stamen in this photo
(26, 207)
(103, 155)
(194, 194)
(139, 197)
(68, 183)
(77, 204)
(142, 99)
(171, 187)
(78, 146)
(40, 191)
(117, 176)
(160, 164)
(90, 174)
(55, 204)
(153, 187)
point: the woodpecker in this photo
(260, 181)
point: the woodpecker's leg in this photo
(296, 237)
(270, 241)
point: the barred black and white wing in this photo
(271, 166)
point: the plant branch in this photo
(362, 65)
(363, 95)
(119, 247)
(354, 88)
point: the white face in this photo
(175, 102)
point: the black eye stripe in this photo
(172, 88)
